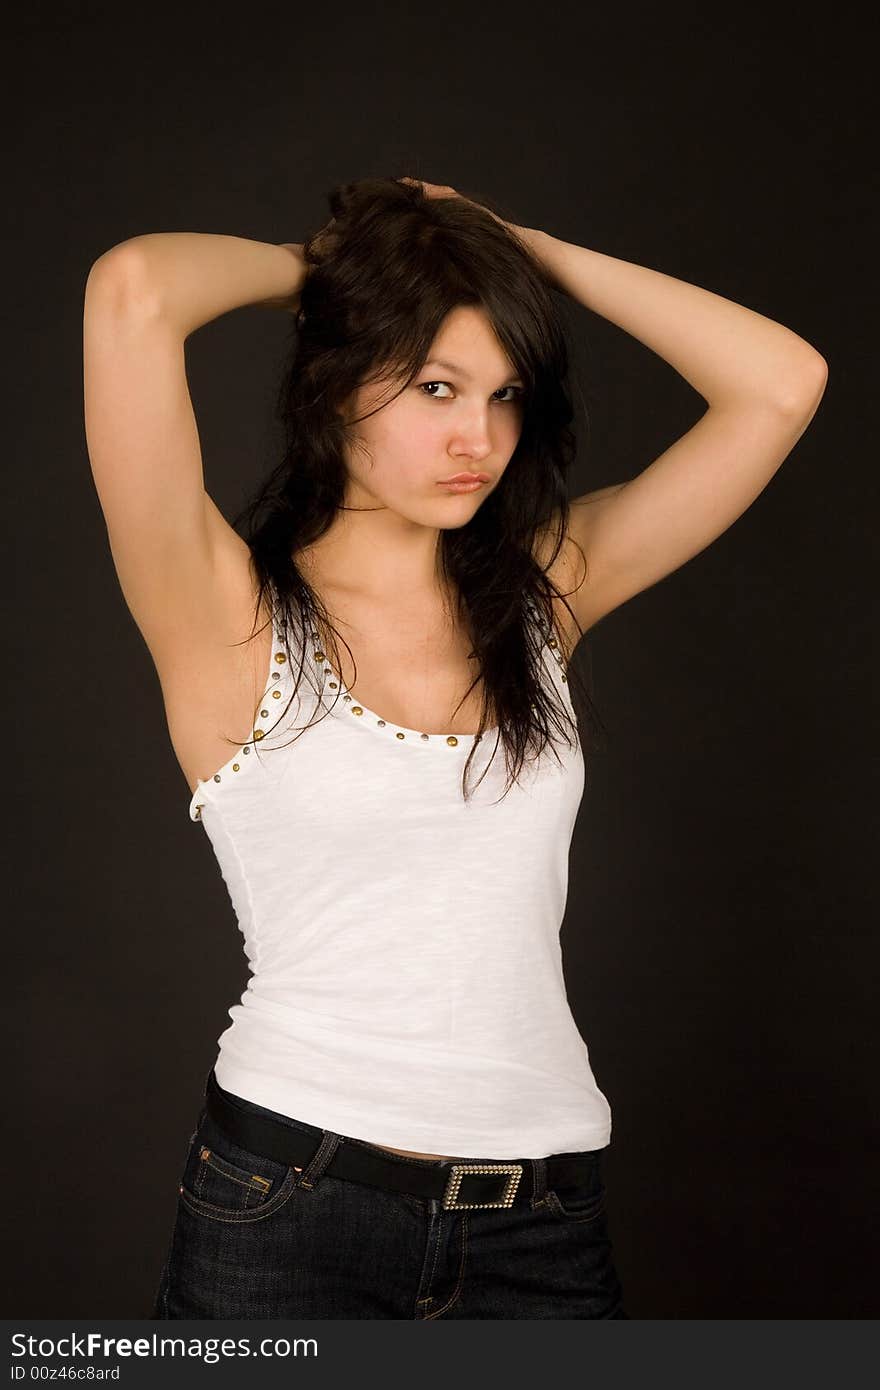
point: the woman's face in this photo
(464, 416)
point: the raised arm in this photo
(762, 382)
(182, 568)
(198, 276)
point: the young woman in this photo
(371, 697)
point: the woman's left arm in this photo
(762, 382)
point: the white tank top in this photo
(406, 982)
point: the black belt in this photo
(460, 1184)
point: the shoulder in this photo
(565, 571)
(574, 569)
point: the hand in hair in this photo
(443, 190)
(528, 237)
(432, 190)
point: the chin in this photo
(449, 511)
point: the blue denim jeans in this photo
(250, 1242)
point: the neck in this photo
(381, 556)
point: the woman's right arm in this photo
(183, 570)
(194, 277)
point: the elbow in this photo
(806, 387)
(119, 278)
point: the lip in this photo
(465, 480)
(462, 487)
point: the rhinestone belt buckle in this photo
(459, 1172)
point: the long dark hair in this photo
(382, 276)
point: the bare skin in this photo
(410, 1153)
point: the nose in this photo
(472, 438)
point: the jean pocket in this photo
(225, 1182)
(579, 1201)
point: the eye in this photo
(519, 391)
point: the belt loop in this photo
(539, 1180)
(318, 1162)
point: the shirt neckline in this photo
(279, 682)
(345, 705)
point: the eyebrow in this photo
(453, 367)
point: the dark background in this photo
(720, 942)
